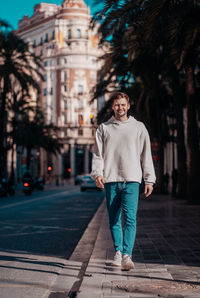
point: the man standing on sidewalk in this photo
(122, 155)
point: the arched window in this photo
(78, 33)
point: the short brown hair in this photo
(118, 95)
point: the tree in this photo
(159, 40)
(18, 107)
(17, 64)
(181, 18)
(130, 64)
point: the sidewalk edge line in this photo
(96, 221)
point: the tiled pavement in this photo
(166, 255)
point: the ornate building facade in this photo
(60, 35)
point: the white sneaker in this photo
(117, 259)
(127, 263)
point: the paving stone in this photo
(162, 275)
(106, 286)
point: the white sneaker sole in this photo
(127, 267)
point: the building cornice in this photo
(36, 25)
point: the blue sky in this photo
(13, 10)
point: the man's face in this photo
(120, 107)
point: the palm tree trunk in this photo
(3, 159)
(181, 153)
(193, 156)
(12, 176)
(181, 149)
(160, 175)
(28, 156)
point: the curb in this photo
(76, 266)
(85, 247)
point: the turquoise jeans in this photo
(122, 198)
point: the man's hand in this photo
(148, 190)
(99, 182)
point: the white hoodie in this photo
(122, 152)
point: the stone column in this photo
(86, 159)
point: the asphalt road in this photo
(48, 223)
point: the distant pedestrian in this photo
(122, 155)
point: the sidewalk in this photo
(166, 255)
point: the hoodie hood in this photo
(114, 120)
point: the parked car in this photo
(78, 179)
(88, 183)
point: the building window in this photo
(64, 76)
(65, 60)
(45, 91)
(65, 88)
(53, 35)
(45, 63)
(80, 89)
(69, 33)
(51, 91)
(41, 53)
(46, 37)
(41, 41)
(65, 105)
(80, 132)
(80, 119)
(78, 33)
(45, 77)
(34, 44)
(65, 119)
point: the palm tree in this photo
(130, 60)
(18, 107)
(155, 38)
(181, 18)
(17, 64)
(185, 51)
(160, 42)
